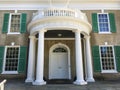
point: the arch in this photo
(59, 49)
(84, 33)
(67, 50)
(58, 45)
(59, 24)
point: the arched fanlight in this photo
(59, 49)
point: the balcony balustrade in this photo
(59, 19)
(58, 12)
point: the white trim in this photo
(59, 38)
(114, 58)
(4, 61)
(10, 72)
(9, 24)
(105, 33)
(16, 11)
(50, 52)
(106, 45)
(108, 71)
(59, 23)
(34, 5)
(13, 33)
(102, 11)
(109, 22)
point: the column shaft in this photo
(85, 61)
(89, 60)
(79, 62)
(31, 60)
(40, 60)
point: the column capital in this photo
(76, 31)
(32, 37)
(87, 37)
(43, 30)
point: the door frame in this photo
(50, 54)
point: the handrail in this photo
(2, 84)
(59, 13)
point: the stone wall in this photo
(96, 39)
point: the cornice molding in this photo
(62, 1)
(40, 4)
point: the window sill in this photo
(12, 33)
(9, 72)
(109, 71)
(105, 33)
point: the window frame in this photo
(109, 32)
(4, 61)
(9, 24)
(108, 71)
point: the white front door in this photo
(59, 68)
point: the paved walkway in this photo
(98, 85)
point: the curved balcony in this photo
(59, 17)
(59, 12)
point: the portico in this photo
(59, 19)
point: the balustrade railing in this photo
(59, 12)
(2, 85)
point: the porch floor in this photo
(19, 84)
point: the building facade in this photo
(56, 40)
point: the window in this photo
(107, 59)
(103, 23)
(11, 59)
(14, 25)
(60, 50)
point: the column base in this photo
(77, 82)
(90, 80)
(39, 82)
(29, 80)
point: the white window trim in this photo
(105, 32)
(109, 32)
(9, 25)
(10, 72)
(4, 61)
(108, 71)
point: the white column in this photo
(40, 60)
(79, 61)
(89, 65)
(31, 60)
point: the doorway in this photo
(59, 62)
